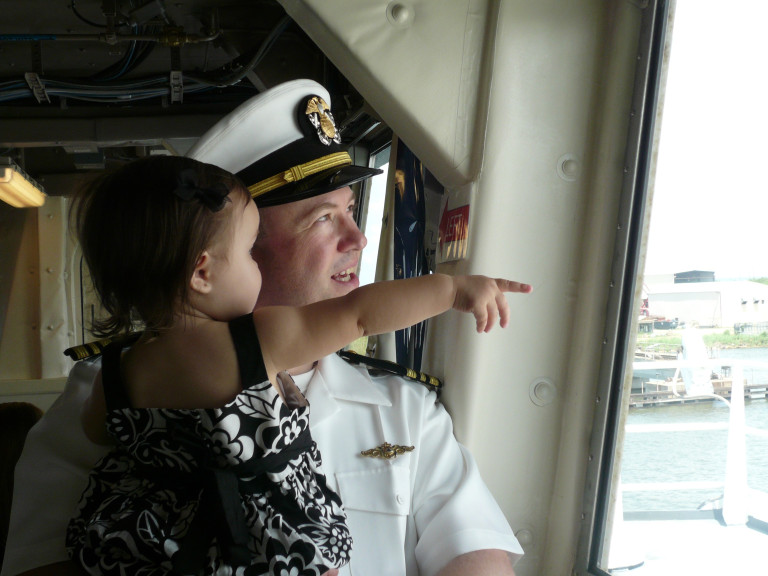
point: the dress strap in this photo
(248, 350)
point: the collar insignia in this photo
(319, 115)
(386, 451)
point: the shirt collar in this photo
(334, 379)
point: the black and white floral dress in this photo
(233, 490)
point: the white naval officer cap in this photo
(283, 144)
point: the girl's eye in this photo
(324, 218)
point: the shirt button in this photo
(400, 499)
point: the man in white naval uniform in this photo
(425, 512)
(411, 514)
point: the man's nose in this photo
(351, 237)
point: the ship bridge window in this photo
(372, 210)
(682, 484)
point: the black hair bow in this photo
(188, 188)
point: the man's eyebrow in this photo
(329, 206)
(324, 206)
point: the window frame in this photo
(620, 317)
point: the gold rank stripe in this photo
(95, 348)
(88, 349)
(377, 364)
(299, 172)
(421, 377)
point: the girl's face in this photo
(236, 278)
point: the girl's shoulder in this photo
(193, 368)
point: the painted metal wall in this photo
(42, 310)
(523, 108)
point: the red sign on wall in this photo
(454, 229)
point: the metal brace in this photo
(37, 87)
(177, 86)
(176, 77)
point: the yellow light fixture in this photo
(17, 188)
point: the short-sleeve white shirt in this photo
(414, 513)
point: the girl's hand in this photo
(484, 298)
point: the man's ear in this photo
(201, 276)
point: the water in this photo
(752, 375)
(692, 456)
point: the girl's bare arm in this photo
(295, 336)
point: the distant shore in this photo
(720, 338)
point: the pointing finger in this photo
(512, 286)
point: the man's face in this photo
(309, 250)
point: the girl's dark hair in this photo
(141, 238)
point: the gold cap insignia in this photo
(387, 451)
(319, 115)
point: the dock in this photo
(657, 392)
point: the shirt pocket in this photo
(377, 502)
(383, 490)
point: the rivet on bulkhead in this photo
(400, 14)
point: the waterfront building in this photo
(738, 305)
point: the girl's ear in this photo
(201, 276)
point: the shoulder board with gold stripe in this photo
(430, 382)
(95, 348)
